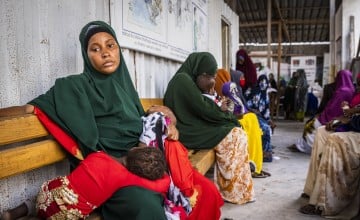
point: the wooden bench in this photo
(26, 145)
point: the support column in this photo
(279, 52)
(269, 34)
(332, 42)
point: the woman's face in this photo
(205, 82)
(263, 84)
(104, 53)
(241, 61)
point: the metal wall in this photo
(39, 43)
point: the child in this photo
(96, 178)
(206, 84)
(230, 90)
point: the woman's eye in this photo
(95, 49)
(112, 45)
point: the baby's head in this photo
(146, 162)
(206, 83)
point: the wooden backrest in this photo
(26, 145)
(147, 103)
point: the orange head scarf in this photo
(222, 77)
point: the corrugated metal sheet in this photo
(38, 43)
(301, 20)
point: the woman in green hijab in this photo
(202, 125)
(100, 109)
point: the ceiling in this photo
(292, 21)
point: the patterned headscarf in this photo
(230, 90)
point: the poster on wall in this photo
(200, 26)
(171, 29)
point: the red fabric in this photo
(209, 200)
(186, 178)
(64, 139)
(99, 176)
(355, 100)
(180, 167)
(51, 203)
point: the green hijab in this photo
(101, 112)
(201, 123)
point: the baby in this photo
(97, 177)
(206, 84)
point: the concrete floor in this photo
(278, 196)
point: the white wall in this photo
(39, 43)
(326, 68)
(349, 8)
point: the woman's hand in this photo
(225, 104)
(171, 132)
(344, 120)
(16, 110)
(165, 110)
(333, 124)
(329, 126)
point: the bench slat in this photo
(147, 103)
(202, 160)
(20, 128)
(28, 157)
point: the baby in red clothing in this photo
(97, 177)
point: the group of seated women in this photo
(99, 110)
(332, 138)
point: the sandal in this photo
(252, 166)
(262, 174)
(310, 210)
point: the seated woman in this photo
(247, 119)
(257, 100)
(202, 125)
(101, 110)
(333, 178)
(344, 92)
